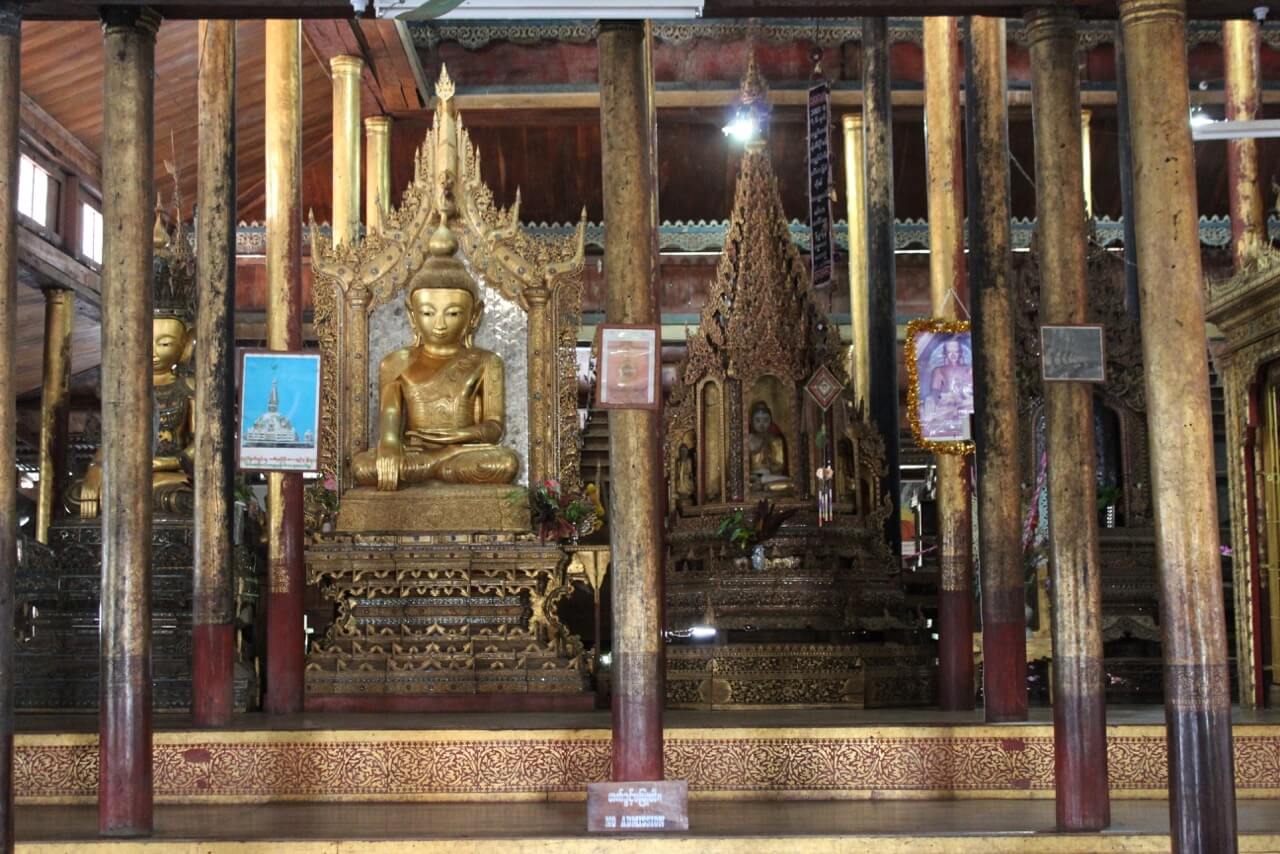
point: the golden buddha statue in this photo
(442, 409)
(173, 393)
(767, 451)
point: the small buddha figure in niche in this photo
(685, 464)
(441, 402)
(173, 394)
(767, 451)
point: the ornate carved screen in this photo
(536, 285)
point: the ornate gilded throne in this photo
(440, 588)
(816, 614)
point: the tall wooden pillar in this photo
(10, 88)
(1004, 623)
(1248, 223)
(55, 390)
(882, 317)
(948, 289)
(628, 136)
(346, 147)
(1175, 363)
(1079, 701)
(128, 193)
(856, 212)
(377, 170)
(285, 638)
(213, 598)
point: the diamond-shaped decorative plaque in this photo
(823, 387)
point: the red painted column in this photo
(10, 87)
(213, 638)
(628, 132)
(1079, 699)
(948, 297)
(1004, 598)
(285, 651)
(124, 707)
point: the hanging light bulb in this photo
(744, 126)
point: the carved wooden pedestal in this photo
(441, 615)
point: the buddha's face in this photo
(952, 354)
(168, 343)
(442, 317)
(761, 420)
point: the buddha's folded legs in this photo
(454, 464)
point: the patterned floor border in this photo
(963, 761)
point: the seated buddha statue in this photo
(767, 451)
(441, 404)
(173, 394)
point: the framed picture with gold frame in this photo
(628, 363)
(939, 357)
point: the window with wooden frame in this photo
(36, 192)
(90, 233)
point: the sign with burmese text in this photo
(634, 807)
(820, 247)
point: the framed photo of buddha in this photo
(279, 411)
(940, 407)
(627, 366)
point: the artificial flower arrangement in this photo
(738, 530)
(556, 513)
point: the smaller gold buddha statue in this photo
(442, 407)
(767, 451)
(173, 393)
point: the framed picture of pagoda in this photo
(279, 411)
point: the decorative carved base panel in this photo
(931, 761)
(433, 507)
(743, 676)
(58, 591)
(442, 614)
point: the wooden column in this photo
(346, 147)
(948, 297)
(628, 136)
(213, 598)
(1248, 222)
(128, 193)
(1004, 624)
(882, 318)
(10, 89)
(1175, 362)
(285, 650)
(55, 390)
(1079, 700)
(856, 211)
(377, 170)
(1124, 154)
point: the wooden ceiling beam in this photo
(328, 39)
(51, 134)
(396, 74)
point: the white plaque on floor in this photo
(635, 807)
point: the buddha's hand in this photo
(91, 493)
(389, 457)
(448, 435)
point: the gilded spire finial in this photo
(754, 91)
(444, 86)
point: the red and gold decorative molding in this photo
(819, 763)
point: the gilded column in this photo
(882, 317)
(55, 390)
(377, 170)
(285, 652)
(1079, 700)
(1171, 290)
(628, 135)
(10, 88)
(947, 297)
(1086, 160)
(213, 596)
(1004, 642)
(128, 193)
(541, 379)
(1248, 222)
(856, 213)
(346, 147)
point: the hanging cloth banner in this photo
(820, 183)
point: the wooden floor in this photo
(813, 827)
